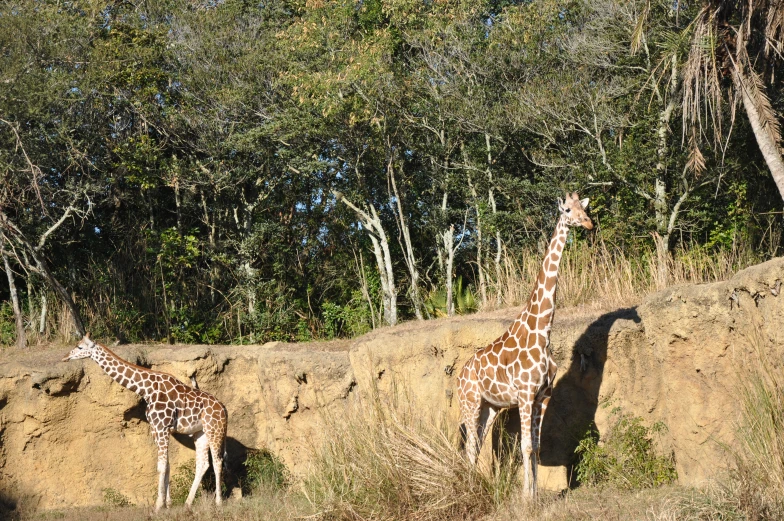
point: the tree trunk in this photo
(491, 200)
(660, 200)
(372, 224)
(448, 237)
(21, 338)
(766, 141)
(44, 309)
(479, 261)
(408, 249)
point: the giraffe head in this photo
(573, 209)
(84, 349)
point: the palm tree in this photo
(739, 41)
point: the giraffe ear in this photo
(87, 335)
(560, 205)
(584, 203)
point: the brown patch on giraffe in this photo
(527, 363)
(541, 277)
(534, 308)
(550, 284)
(508, 357)
(492, 358)
(510, 342)
(541, 340)
(531, 322)
(490, 371)
(547, 305)
(535, 355)
(543, 322)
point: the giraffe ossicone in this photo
(517, 369)
(172, 406)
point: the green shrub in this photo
(264, 469)
(7, 324)
(180, 482)
(114, 498)
(626, 457)
(465, 300)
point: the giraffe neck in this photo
(128, 375)
(542, 301)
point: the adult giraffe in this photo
(172, 406)
(517, 369)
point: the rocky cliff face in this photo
(67, 431)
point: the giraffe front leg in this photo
(470, 412)
(202, 464)
(525, 401)
(162, 441)
(539, 408)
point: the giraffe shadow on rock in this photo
(572, 409)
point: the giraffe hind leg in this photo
(217, 442)
(539, 409)
(162, 441)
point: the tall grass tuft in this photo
(388, 459)
(758, 473)
(601, 275)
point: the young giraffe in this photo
(517, 370)
(172, 406)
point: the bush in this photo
(625, 457)
(7, 324)
(264, 469)
(115, 498)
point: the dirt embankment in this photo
(67, 431)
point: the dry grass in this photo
(386, 460)
(757, 478)
(600, 276)
(263, 505)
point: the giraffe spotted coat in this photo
(517, 369)
(172, 406)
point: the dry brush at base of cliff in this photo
(394, 459)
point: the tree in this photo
(742, 41)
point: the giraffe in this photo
(172, 406)
(517, 369)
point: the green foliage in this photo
(625, 457)
(7, 324)
(351, 319)
(464, 300)
(200, 149)
(264, 469)
(180, 482)
(114, 498)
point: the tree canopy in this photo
(211, 171)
